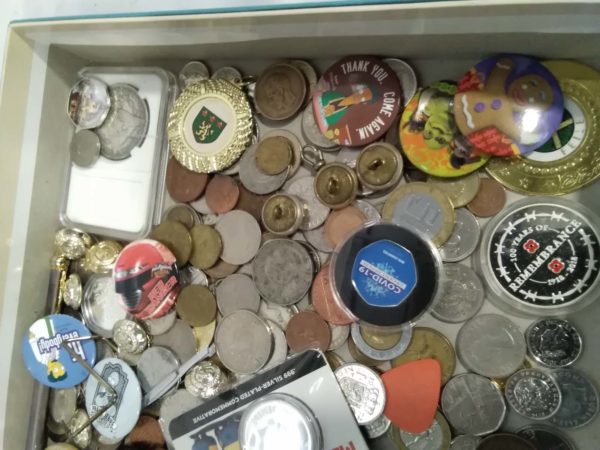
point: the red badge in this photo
(531, 246)
(556, 265)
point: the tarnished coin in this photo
(310, 75)
(283, 271)
(545, 437)
(307, 330)
(251, 203)
(193, 72)
(378, 427)
(182, 213)
(462, 296)
(473, 404)
(360, 357)
(222, 194)
(370, 212)
(254, 179)
(533, 394)
(464, 238)
(176, 238)
(381, 354)
(204, 335)
(429, 343)
(364, 391)
(100, 306)
(130, 336)
(180, 339)
(278, 314)
(240, 234)
(379, 166)
(206, 246)
(73, 292)
(244, 342)
(273, 155)
(280, 91)
(504, 441)
(196, 305)
(280, 347)
(221, 270)
(407, 77)
(192, 275)
(553, 342)
(312, 132)
(437, 437)
(490, 198)
(162, 324)
(72, 243)
(205, 380)
(101, 257)
(316, 212)
(89, 103)
(460, 190)
(342, 223)
(154, 365)
(85, 148)
(579, 399)
(182, 184)
(295, 146)
(491, 345)
(235, 292)
(228, 73)
(423, 207)
(465, 442)
(339, 336)
(317, 239)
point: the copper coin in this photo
(146, 434)
(342, 223)
(196, 305)
(251, 203)
(324, 302)
(280, 91)
(307, 330)
(184, 185)
(273, 155)
(222, 194)
(207, 246)
(490, 198)
(221, 270)
(176, 237)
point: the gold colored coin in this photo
(429, 343)
(336, 185)
(177, 239)
(274, 155)
(72, 243)
(460, 190)
(501, 382)
(101, 257)
(184, 214)
(334, 360)
(380, 340)
(282, 214)
(204, 335)
(196, 305)
(360, 357)
(379, 166)
(423, 206)
(207, 246)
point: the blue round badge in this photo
(47, 361)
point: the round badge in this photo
(45, 358)
(147, 278)
(508, 105)
(541, 257)
(89, 103)
(119, 419)
(430, 138)
(356, 100)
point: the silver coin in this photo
(130, 358)
(546, 438)
(491, 345)
(85, 148)
(206, 380)
(253, 179)
(234, 169)
(62, 404)
(465, 442)
(381, 355)
(211, 219)
(407, 77)
(244, 342)
(312, 132)
(126, 125)
(235, 292)
(179, 339)
(318, 240)
(101, 307)
(162, 324)
(201, 206)
(436, 437)
(73, 294)
(283, 271)
(279, 314)
(378, 427)
(228, 73)
(312, 251)
(462, 296)
(317, 212)
(553, 342)
(193, 72)
(464, 238)
(173, 406)
(154, 365)
(89, 103)
(241, 237)
(130, 336)
(579, 399)
(296, 148)
(348, 156)
(339, 336)
(473, 404)
(368, 209)
(280, 347)
(192, 275)
(410, 210)
(363, 390)
(246, 269)
(533, 394)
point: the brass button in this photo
(336, 185)
(379, 166)
(282, 214)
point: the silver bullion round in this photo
(193, 72)
(279, 314)
(473, 404)
(179, 339)
(312, 132)
(317, 211)
(205, 380)
(465, 442)
(533, 394)
(406, 75)
(317, 239)
(244, 342)
(381, 355)
(162, 324)
(126, 125)
(253, 179)
(464, 238)
(462, 296)
(553, 342)
(545, 437)
(235, 292)
(130, 336)
(491, 345)
(241, 237)
(363, 390)
(378, 427)
(280, 347)
(339, 336)
(368, 209)
(579, 399)
(154, 365)
(85, 148)
(283, 271)
(228, 73)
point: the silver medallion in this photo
(162, 324)
(491, 345)
(378, 427)
(312, 132)
(462, 295)
(206, 380)
(253, 179)
(407, 77)
(473, 404)
(368, 209)
(85, 148)
(89, 103)
(465, 442)
(235, 292)
(73, 293)
(280, 347)
(101, 305)
(279, 314)
(579, 399)
(228, 73)
(317, 211)
(179, 339)
(241, 237)
(464, 238)
(283, 271)
(318, 240)
(381, 355)
(553, 342)
(193, 72)
(545, 437)
(339, 336)
(363, 390)
(155, 364)
(533, 394)
(129, 336)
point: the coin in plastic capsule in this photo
(282, 214)
(89, 103)
(379, 166)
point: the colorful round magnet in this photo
(430, 138)
(47, 361)
(357, 100)
(508, 105)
